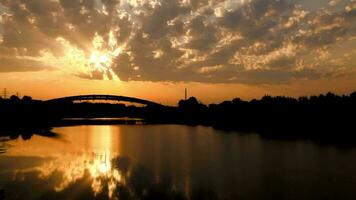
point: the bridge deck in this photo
(102, 97)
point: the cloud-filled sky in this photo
(248, 42)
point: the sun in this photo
(100, 61)
(104, 168)
(97, 60)
(103, 53)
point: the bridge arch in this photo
(70, 99)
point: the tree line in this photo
(325, 115)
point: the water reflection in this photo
(121, 181)
(89, 177)
(3, 144)
(25, 133)
(169, 162)
(76, 167)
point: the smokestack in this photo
(185, 94)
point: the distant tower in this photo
(185, 94)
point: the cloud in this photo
(250, 42)
(21, 65)
(277, 76)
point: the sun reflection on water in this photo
(86, 162)
(92, 159)
(99, 167)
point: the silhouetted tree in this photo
(323, 116)
(14, 99)
(26, 99)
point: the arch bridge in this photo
(71, 99)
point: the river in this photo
(171, 162)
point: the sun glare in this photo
(104, 168)
(100, 61)
(98, 58)
(102, 56)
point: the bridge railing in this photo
(102, 97)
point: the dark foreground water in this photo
(171, 162)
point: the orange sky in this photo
(42, 86)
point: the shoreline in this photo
(335, 136)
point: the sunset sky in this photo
(153, 49)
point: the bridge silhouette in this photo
(92, 97)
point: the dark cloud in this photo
(202, 33)
(252, 42)
(326, 28)
(283, 62)
(155, 21)
(21, 65)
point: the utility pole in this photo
(4, 93)
(185, 94)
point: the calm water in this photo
(171, 162)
